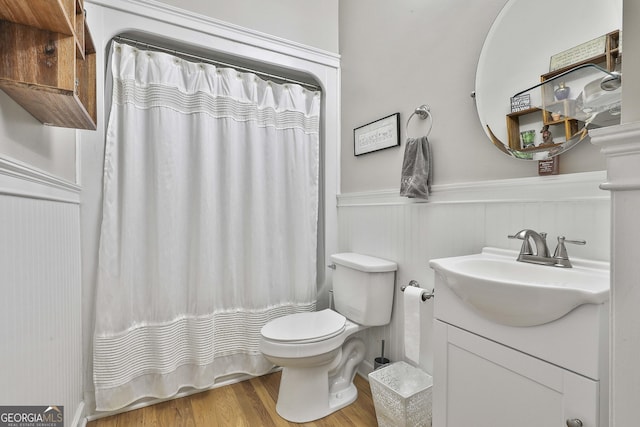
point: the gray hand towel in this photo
(416, 168)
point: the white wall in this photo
(312, 23)
(406, 53)
(40, 309)
(24, 138)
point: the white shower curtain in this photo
(209, 223)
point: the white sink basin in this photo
(515, 293)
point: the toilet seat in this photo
(303, 328)
(302, 335)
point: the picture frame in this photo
(377, 135)
(520, 103)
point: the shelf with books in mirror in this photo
(584, 97)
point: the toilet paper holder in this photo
(425, 295)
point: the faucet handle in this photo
(575, 242)
(561, 255)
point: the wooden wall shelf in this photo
(48, 61)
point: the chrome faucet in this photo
(541, 255)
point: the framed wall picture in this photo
(378, 135)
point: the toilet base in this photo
(310, 393)
(343, 398)
(304, 395)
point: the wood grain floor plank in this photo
(204, 413)
(226, 406)
(249, 403)
(252, 406)
(268, 400)
(176, 412)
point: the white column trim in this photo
(620, 144)
(569, 187)
(617, 140)
(22, 180)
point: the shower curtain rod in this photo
(136, 43)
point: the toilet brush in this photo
(380, 361)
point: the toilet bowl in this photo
(314, 350)
(317, 350)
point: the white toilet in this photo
(316, 351)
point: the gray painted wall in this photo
(310, 22)
(25, 139)
(404, 53)
(401, 54)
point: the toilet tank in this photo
(363, 288)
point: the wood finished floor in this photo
(249, 403)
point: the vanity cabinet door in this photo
(481, 383)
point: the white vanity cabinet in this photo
(492, 375)
(482, 383)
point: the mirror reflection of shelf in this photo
(570, 128)
(513, 126)
(579, 96)
(606, 59)
(592, 94)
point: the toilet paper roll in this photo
(412, 304)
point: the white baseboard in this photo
(79, 419)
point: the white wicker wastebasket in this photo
(401, 395)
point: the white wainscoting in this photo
(460, 219)
(40, 306)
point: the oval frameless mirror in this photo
(517, 52)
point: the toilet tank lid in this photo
(364, 262)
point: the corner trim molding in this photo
(569, 187)
(21, 180)
(617, 140)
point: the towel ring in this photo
(423, 112)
